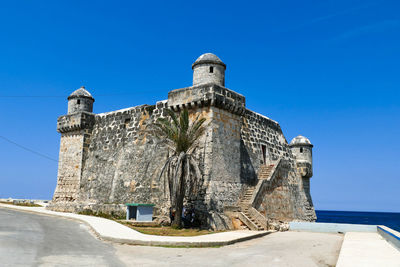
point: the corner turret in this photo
(208, 68)
(301, 148)
(80, 100)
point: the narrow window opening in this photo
(78, 101)
(301, 150)
(211, 69)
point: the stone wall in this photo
(69, 167)
(287, 197)
(284, 198)
(123, 161)
(222, 166)
(259, 131)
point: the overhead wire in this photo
(28, 149)
(64, 96)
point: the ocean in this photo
(389, 219)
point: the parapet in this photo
(207, 95)
(75, 122)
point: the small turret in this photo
(301, 148)
(80, 100)
(208, 68)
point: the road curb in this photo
(182, 244)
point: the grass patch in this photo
(188, 246)
(169, 231)
(23, 204)
(101, 214)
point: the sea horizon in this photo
(358, 211)
(389, 219)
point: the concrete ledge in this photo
(330, 227)
(199, 244)
(367, 250)
(390, 235)
(112, 231)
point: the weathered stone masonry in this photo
(109, 159)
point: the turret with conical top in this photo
(208, 68)
(301, 148)
(80, 100)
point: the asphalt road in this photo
(28, 239)
(282, 249)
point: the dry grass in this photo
(24, 204)
(101, 214)
(169, 231)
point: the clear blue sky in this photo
(328, 70)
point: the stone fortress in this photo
(251, 176)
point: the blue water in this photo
(389, 219)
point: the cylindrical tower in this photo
(301, 148)
(208, 68)
(80, 100)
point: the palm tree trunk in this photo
(180, 194)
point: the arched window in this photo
(78, 101)
(301, 150)
(211, 69)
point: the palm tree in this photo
(183, 174)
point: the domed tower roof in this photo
(208, 58)
(300, 141)
(81, 92)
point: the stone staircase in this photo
(265, 171)
(248, 215)
(246, 199)
(256, 225)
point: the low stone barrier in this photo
(390, 235)
(330, 227)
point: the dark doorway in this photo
(264, 153)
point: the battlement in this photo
(76, 121)
(207, 95)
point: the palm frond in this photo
(182, 136)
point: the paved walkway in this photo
(112, 231)
(367, 249)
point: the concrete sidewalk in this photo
(112, 231)
(367, 249)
